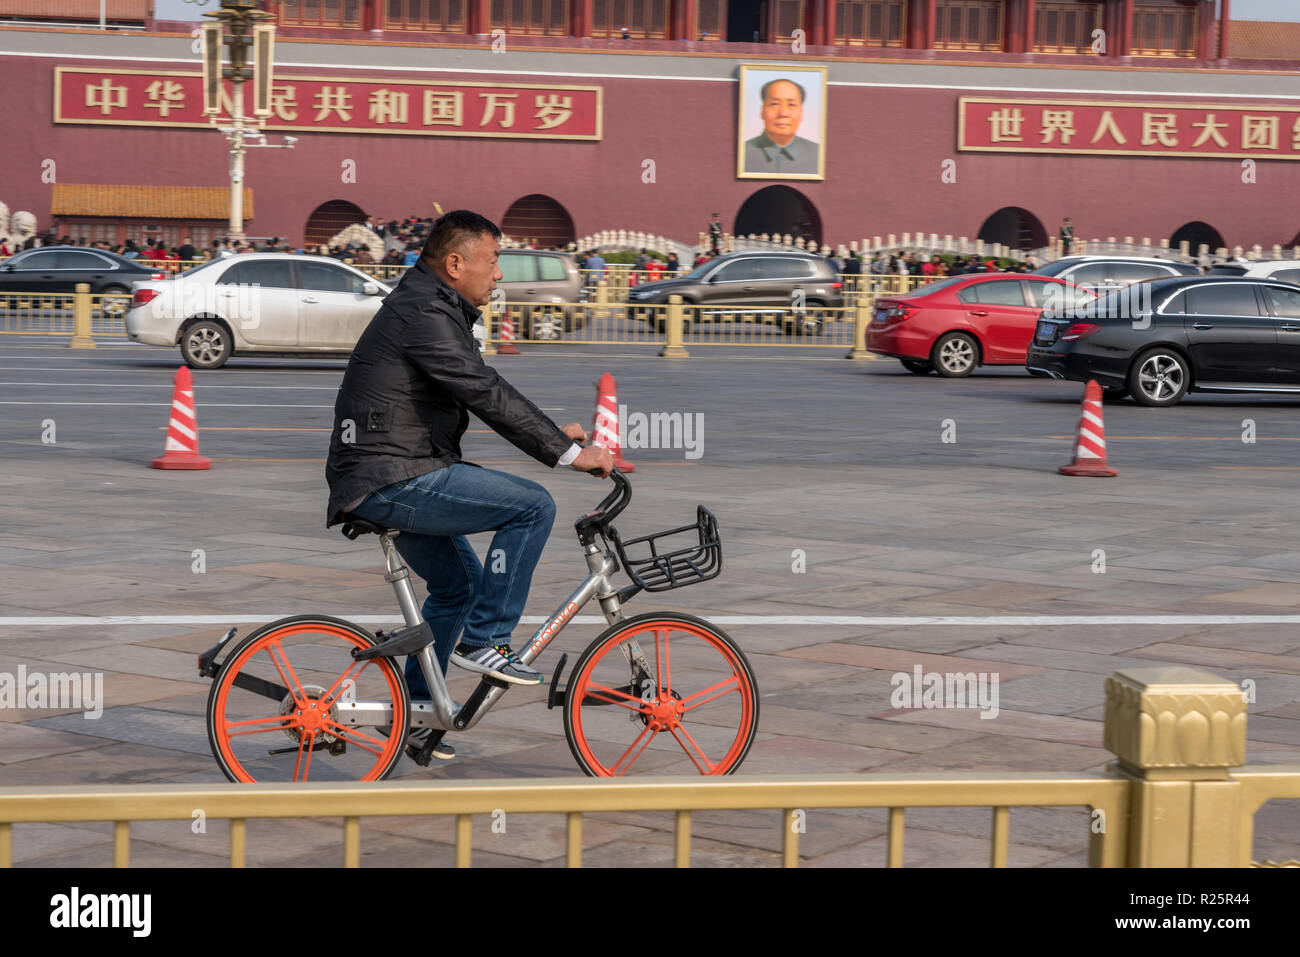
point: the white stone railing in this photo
(931, 244)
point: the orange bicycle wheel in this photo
(291, 704)
(661, 693)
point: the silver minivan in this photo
(544, 292)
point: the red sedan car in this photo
(953, 325)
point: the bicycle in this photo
(336, 690)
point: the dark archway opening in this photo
(779, 209)
(1195, 233)
(538, 219)
(329, 219)
(1014, 227)
(744, 21)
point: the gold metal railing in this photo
(793, 796)
(1172, 797)
(76, 314)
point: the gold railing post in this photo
(464, 839)
(352, 842)
(673, 326)
(1177, 732)
(121, 843)
(6, 844)
(573, 840)
(602, 299)
(861, 317)
(238, 841)
(81, 338)
(790, 839)
(682, 840)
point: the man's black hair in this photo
(762, 93)
(452, 231)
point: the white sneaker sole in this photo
(500, 676)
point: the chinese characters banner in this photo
(1127, 129)
(336, 104)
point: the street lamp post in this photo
(247, 28)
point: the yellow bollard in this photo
(490, 329)
(81, 337)
(861, 318)
(1177, 733)
(673, 347)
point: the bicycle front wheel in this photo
(661, 693)
(291, 704)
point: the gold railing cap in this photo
(1169, 678)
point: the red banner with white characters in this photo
(1127, 128)
(336, 104)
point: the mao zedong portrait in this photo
(779, 148)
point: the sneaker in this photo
(416, 739)
(497, 662)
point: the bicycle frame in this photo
(440, 711)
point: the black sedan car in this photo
(58, 269)
(1156, 341)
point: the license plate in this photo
(1046, 332)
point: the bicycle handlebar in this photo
(611, 506)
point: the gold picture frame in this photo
(766, 146)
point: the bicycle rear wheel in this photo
(661, 693)
(284, 706)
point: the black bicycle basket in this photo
(673, 559)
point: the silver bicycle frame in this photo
(440, 711)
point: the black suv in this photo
(748, 286)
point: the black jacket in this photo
(414, 376)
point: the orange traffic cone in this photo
(181, 450)
(1090, 446)
(507, 347)
(605, 428)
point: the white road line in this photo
(154, 405)
(1005, 621)
(167, 385)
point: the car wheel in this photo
(114, 308)
(545, 326)
(917, 366)
(955, 355)
(1159, 377)
(206, 344)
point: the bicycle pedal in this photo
(424, 756)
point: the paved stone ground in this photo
(841, 460)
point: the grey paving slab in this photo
(866, 494)
(146, 726)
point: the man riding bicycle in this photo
(395, 458)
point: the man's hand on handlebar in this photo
(595, 459)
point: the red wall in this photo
(885, 149)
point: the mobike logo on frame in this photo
(543, 637)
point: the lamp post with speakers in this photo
(248, 28)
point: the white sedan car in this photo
(258, 304)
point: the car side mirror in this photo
(370, 289)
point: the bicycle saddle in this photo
(354, 527)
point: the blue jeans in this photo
(435, 512)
